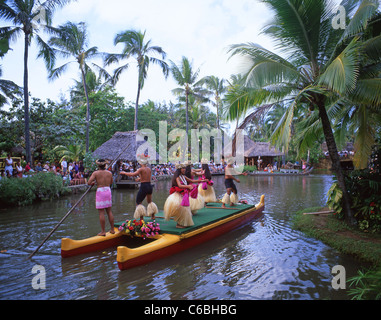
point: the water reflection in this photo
(266, 259)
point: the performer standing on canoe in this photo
(206, 189)
(145, 190)
(103, 199)
(231, 196)
(197, 201)
(177, 204)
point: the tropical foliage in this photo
(71, 41)
(322, 71)
(28, 18)
(16, 192)
(145, 54)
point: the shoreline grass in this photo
(338, 235)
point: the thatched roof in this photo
(256, 149)
(263, 149)
(111, 149)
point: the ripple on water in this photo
(266, 259)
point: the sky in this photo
(201, 30)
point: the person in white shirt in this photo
(9, 165)
(64, 165)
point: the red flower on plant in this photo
(372, 204)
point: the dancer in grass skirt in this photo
(177, 205)
(206, 189)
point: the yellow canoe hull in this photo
(168, 244)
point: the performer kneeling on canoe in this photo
(231, 196)
(206, 189)
(177, 205)
(103, 199)
(145, 190)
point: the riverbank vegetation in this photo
(39, 187)
(348, 240)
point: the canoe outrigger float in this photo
(209, 223)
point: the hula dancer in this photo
(206, 189)
(177, 205)
(103, 199)
(198, 202)
(231, 196)
(145, 190)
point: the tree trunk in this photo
(137, 106)
(87, 110)
(26, 101)
(218, 114)
(186, 108)
(333, 153)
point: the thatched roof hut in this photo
(254, 150)
(111, 149)
(262, 149)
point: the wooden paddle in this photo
(71, 210)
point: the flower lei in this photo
(139, 228)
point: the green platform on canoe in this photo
(210, 214)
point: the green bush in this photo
(250, 168)
(22, 192)
(16, 192)
(367, 285)
(364, 188)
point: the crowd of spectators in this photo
(162, 170)
(72, 173)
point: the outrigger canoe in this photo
(209, 222)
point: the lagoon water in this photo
(264, 260)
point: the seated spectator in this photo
(38, 167)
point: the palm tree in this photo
(187, 79)
(71, 40)
(135, 46)
(73, 152)
(321, 66)
(217, 88)
(29, 17)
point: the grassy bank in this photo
(337, 234)
(25, 191)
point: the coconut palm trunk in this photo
(87, 110)
(28, 155)
(334, 156)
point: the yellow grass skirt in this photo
(174, 209)
(208, 194)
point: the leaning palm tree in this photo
(186, 78)
(71, 41)
(29, 17)
(321, 66)
(135, 46)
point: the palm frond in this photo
(341, 75)
(361, 18)
(364, 139)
